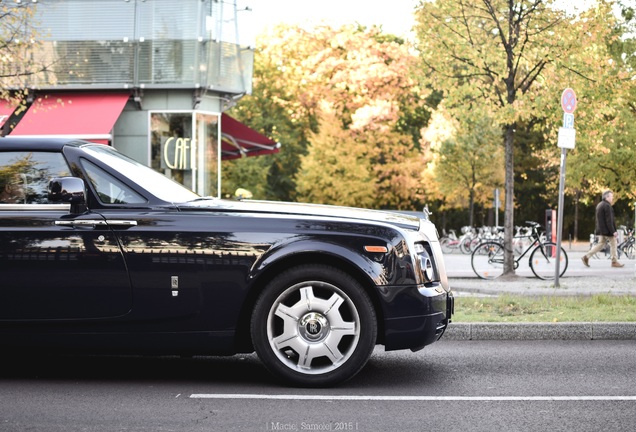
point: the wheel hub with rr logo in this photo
(313, 327)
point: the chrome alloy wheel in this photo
(313, 327)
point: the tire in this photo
(474, 243)
(487, 260)
(628, 251)
(464, 246)
(543, 261)
(314, 326)
(445, 244)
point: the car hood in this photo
(307, 210)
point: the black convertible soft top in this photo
(40, 143)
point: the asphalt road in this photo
(449, 386)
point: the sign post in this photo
(567, 138)
(496, 205)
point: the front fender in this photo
(387, 268)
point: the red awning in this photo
(88, 116)
(6, 109)
(238, 140)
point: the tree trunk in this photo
(509, 265)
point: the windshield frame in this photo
(157, 184)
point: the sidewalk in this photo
(615, 281)
(577, 280)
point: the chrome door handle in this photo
(121, 222)
(81, 222)
(96, 222)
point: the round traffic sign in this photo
(568, 100)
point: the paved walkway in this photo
(458, 265)
(577, 280)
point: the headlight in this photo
(426, 263)
(427, 268)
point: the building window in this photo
(171, 148)
(184, 148)
(208, 134)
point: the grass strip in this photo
(513, 308)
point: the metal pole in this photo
(560, 218)
(496, 207)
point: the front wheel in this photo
(627, 250)
(314, 325)
(445, 244)
(488, 260)
(464, 245)
(543, 261)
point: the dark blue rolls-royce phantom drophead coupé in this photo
(100, 254)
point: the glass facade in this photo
(140, 44)
(184, 147)
(178, 60)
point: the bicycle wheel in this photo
(543, 261)
(464, 246)
(629, 251)
(445, 244)
(488, 260)
(473, 244)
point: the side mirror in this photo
(68, 190)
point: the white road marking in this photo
(412, 398)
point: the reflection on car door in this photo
(53, 271)
(54, 265)
(164, 283)
(165, 277)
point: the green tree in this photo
(535, 181)
(469, 163)
(511, 57)
(606, 112)
(603, 160)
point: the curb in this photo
(541, 331)
(571, 286)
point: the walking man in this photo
(605, 229)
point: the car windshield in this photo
(156, 183)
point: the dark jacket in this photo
(605, 224)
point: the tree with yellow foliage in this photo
(352, 93)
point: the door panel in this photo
(53, 271)
(166, 281)
(51, 267)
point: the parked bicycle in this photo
(467, 237)
(627, 246)
(522, 239)
(449, 242)
(488, 258)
